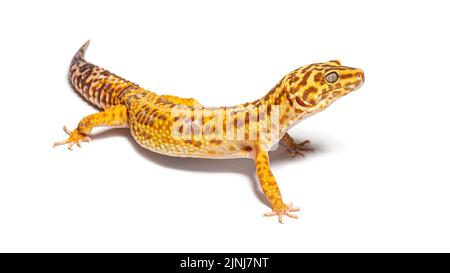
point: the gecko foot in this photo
(286, 210)
(75, 137)
(298, 148)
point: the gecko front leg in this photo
(113, 117)
(270, 188)
(295, 148)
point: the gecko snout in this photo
(360, 76)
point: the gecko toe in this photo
(272, 213)
(298, 151)
(287, 210)
(298, 148)
(66, 130)
(303, 143)
(59, 143)
(292, 215)
(75, 138)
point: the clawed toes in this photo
(58, 143)
(296, 152)
(304, 149)
(288, 211)
(75, 138)
(300, 148)
(291, 207)
(303, 143)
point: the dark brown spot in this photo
(311, 89)
(294, 79)
(246, 148)
(305, 79)
(84, 67)
(318, 77)
(197, 144)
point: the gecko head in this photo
(316, 86)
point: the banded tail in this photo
(97, 85)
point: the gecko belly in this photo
(214, 149)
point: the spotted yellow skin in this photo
(152, 118)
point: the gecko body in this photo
(183, 127)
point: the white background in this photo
(379, 180)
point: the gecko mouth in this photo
(344, 89)
(301, 102)
(306, 104)
(326, 92)
(348, 88)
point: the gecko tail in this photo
(95, 84)
(80, 53)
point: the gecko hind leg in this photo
(295, 148)
(112, 117)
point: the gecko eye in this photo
(332, 77)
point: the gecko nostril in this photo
(360, 76)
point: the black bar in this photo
(224, 262)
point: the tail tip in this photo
(80, 53)
(86, 44)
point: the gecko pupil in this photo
(331, 77)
